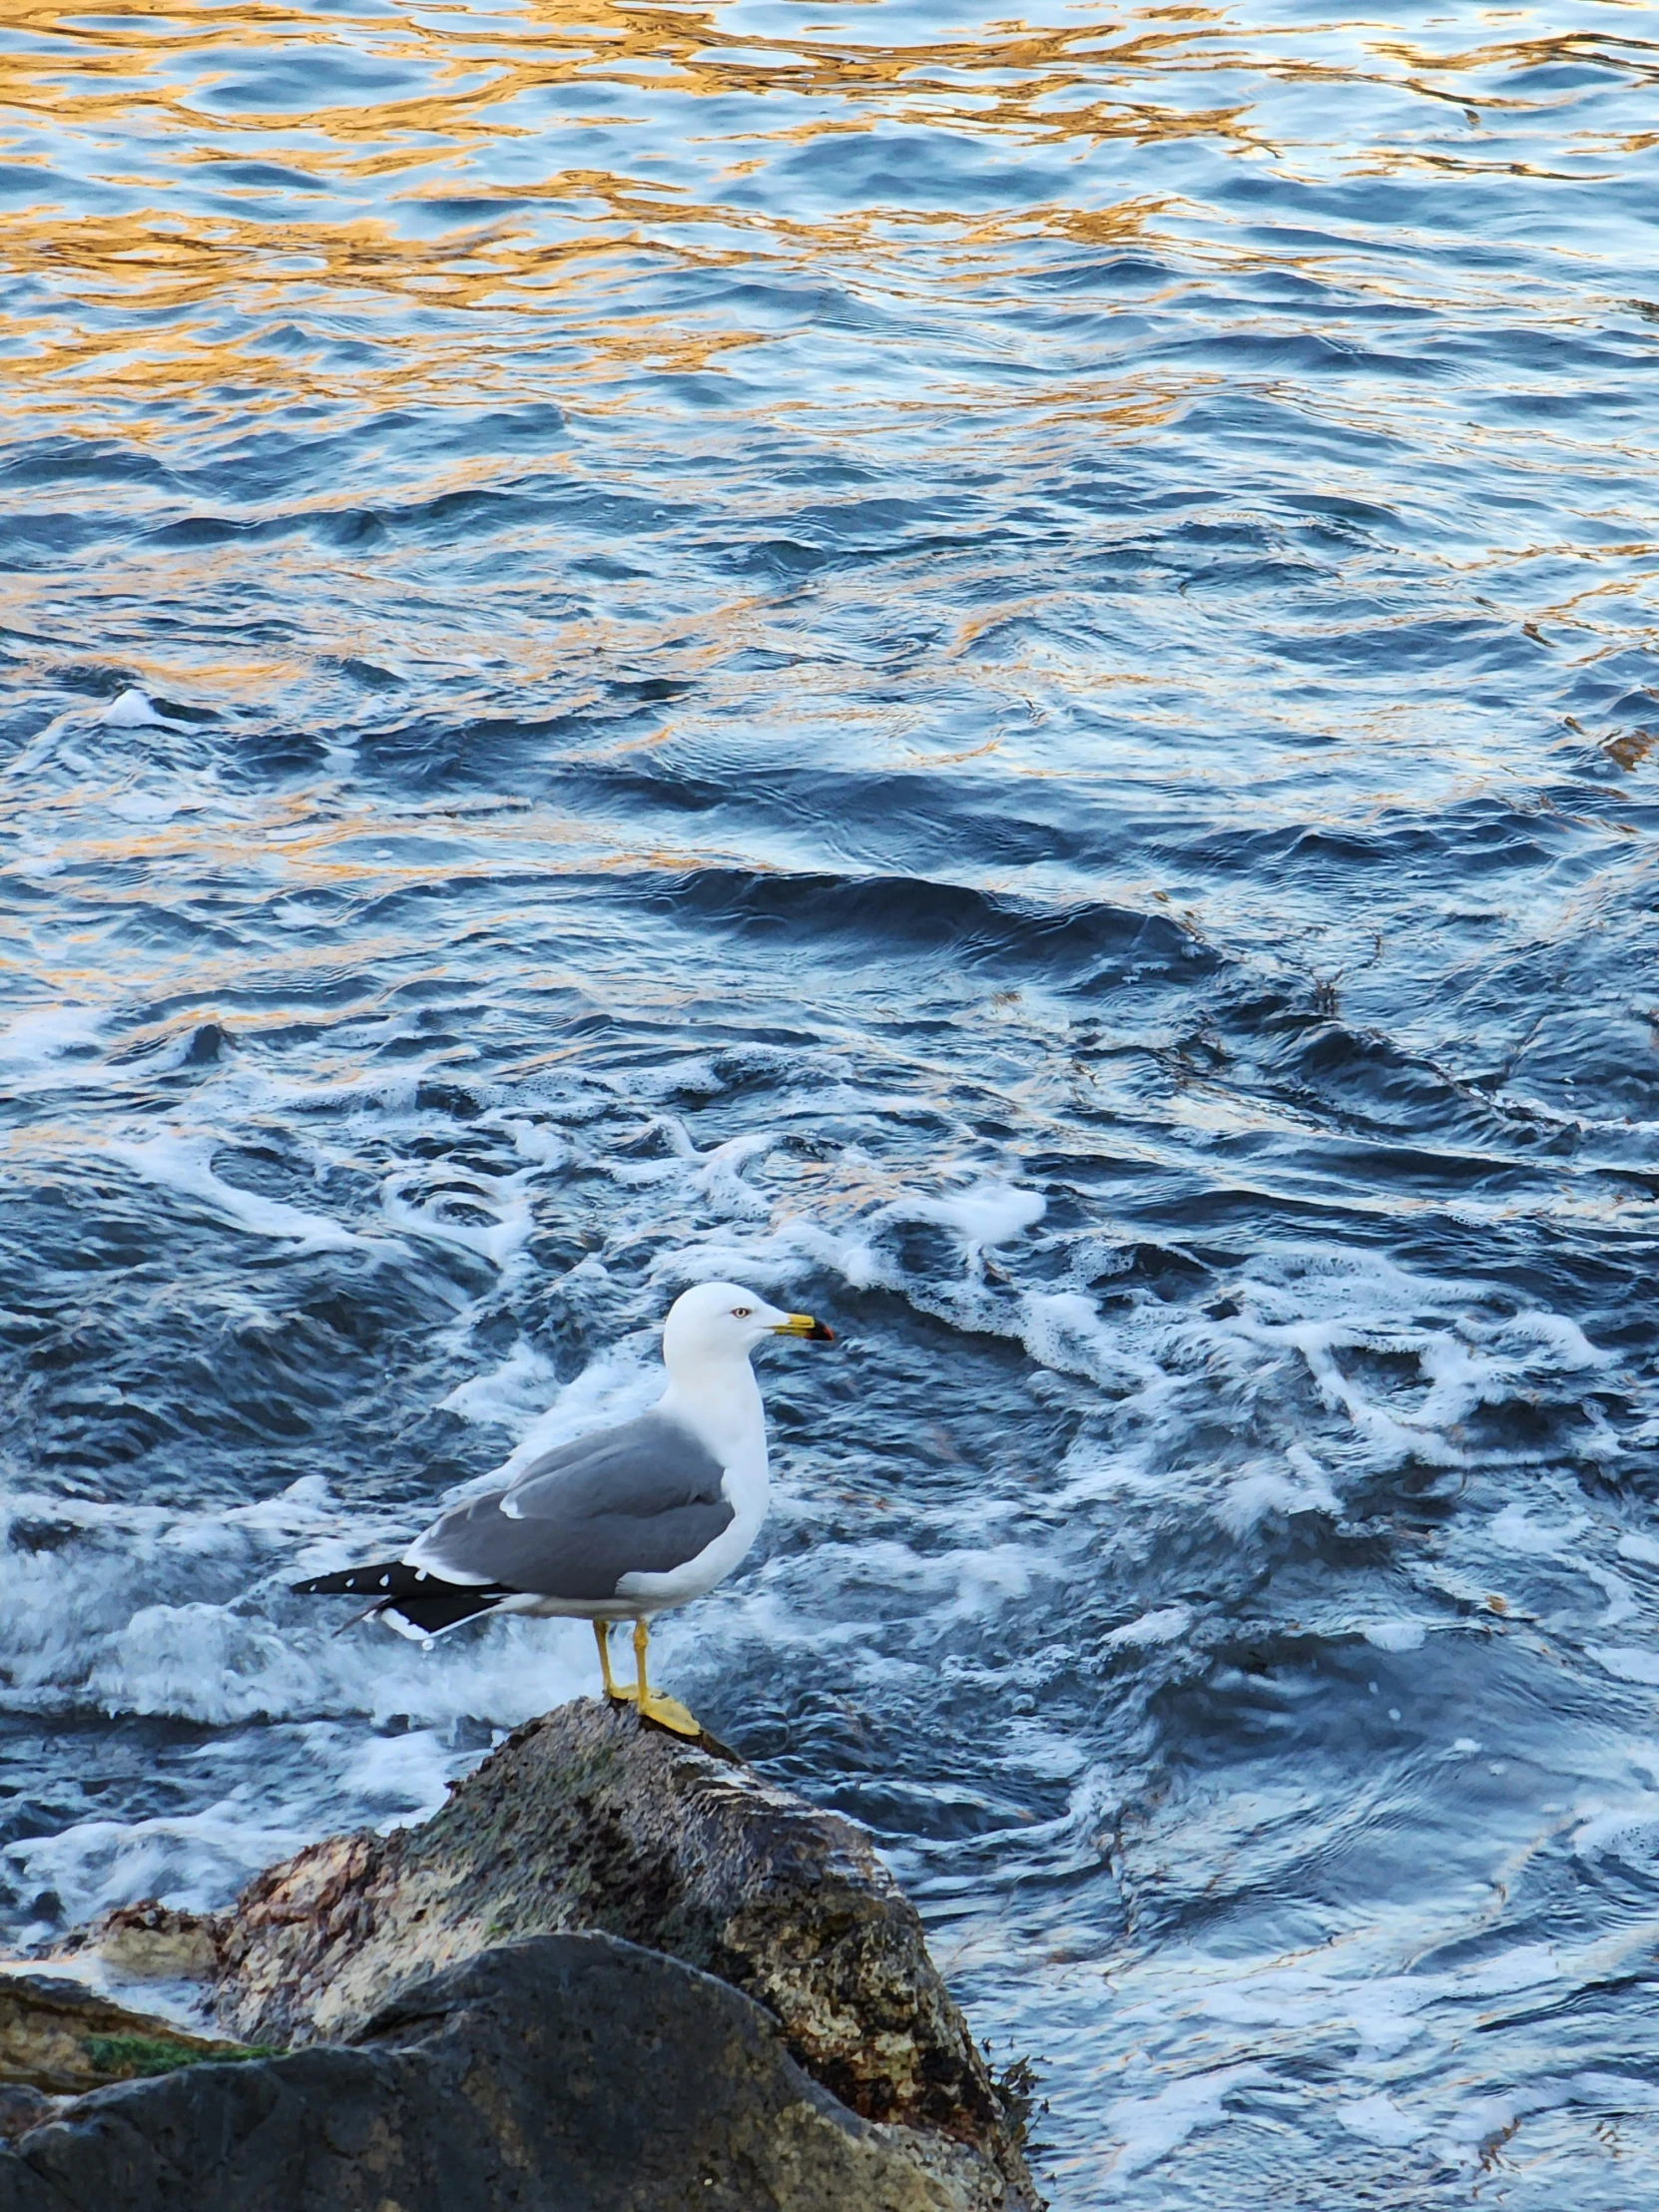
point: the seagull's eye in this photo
(742, 1313)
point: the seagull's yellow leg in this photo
(667, 1712)
(613, 1687)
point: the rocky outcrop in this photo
(586, 1820)
(59, 2038)
(150, 1942)
(561, 2072)
(614, 1972)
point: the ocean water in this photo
(998, 676)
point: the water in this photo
(997, 677)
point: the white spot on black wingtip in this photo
(385, 1582)
(420, 1574)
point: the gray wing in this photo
(639, 1499)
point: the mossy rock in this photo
(132, 2057)
(59, 2038)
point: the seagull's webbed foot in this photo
(667, 1713)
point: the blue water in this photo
(999, 678)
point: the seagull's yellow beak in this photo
(803, 1325)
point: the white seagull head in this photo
(720, 1321)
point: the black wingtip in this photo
(384, 1578)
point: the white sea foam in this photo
(506, 1226)
(404, 1778)
(1485, 2121)
(1526, 1533)
(202, 1662)
(1523, 1966)
(1621, 1599)
(37, 862)
(1148, 2128)
(116, 1620)
(131, 708)
(987, 1213)
(1316, 1303)
(1629, 1830)
(964, 1582)
(714, 1178)
(1380, 2120)
(134, 709)
(1395, 1635)
(1260, 1490)
(853, 1247)
(44, 744)
(721, 1177)
(181, 1162)
(1165, 1625)
(534, 1140)
(1514, 1529)
(1209, 2023)
(1063, 1330)
(195, 1861)
(509, 1396)
(1380, 2014)
(152, 806)
(46, 1033)
(781, 1255)
(112, 1620)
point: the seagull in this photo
(620, 1524)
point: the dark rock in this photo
(21, 2109)
(588, 1820)
(565, 2073)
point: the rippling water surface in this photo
(997, 676)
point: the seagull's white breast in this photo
(729, 1419)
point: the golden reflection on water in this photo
(433, 193)
(262, 216)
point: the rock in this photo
(153, 1943)
(57, 2036)
(614, 1972)
(21, 2109)
(149, 1942)
(589, 1820)
(560, 2072)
